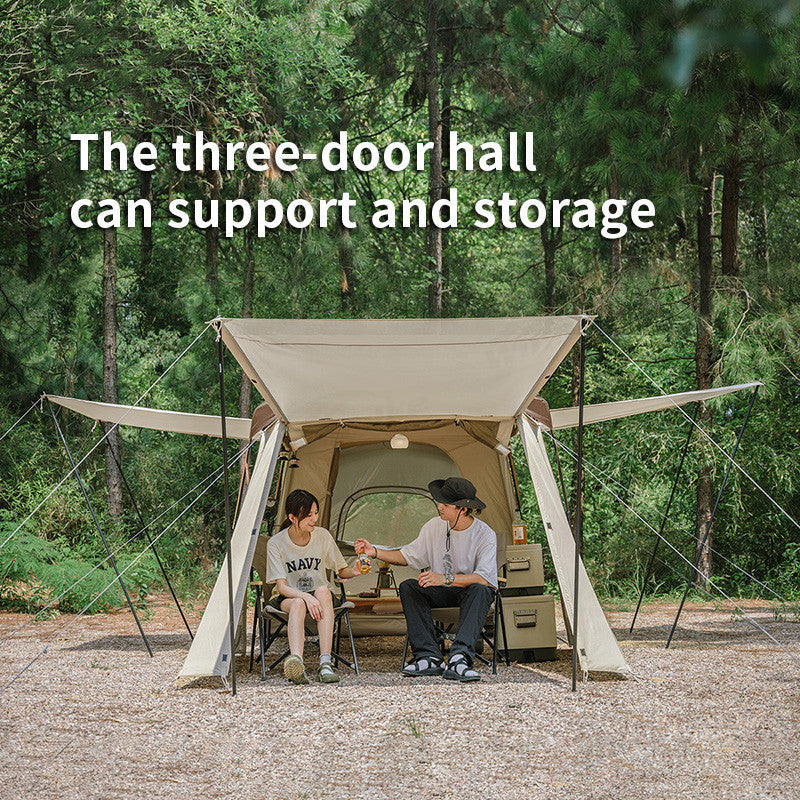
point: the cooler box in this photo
(524, 570)
(530, 623)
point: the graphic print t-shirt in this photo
(303, 568)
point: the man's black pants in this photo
(474, 601)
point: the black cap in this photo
(455, 492)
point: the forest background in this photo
(695, 105)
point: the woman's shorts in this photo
(276, 600)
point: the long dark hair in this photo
(299, 504)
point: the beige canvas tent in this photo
(337, 391)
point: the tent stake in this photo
(578, 535)
(228, 532)
(711, 519)
(666, 514)
(100, 530)
(151, 543)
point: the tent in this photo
(337, 391)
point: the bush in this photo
(39, 572)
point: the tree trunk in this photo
(110, 385)
(615, 245)
(434, 233)
(551, 238)
(760, 223)
(214, 180)
(704, 368)
(682, 227)
(549, 248)
(32, 208)
(731, 181)
(344, 241)
(448, 49)
(344, 251)
(761, 235)
(146, 240)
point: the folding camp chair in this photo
(269, 622)
(445, 619)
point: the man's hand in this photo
(431, 579)
(363, 546)
(314, 606)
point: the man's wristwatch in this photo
(376, 551)
(449, 578)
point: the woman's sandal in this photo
(327, 674)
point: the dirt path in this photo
(716, 716)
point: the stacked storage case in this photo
(530, 615)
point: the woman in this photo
(297, 559)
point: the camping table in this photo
(380, 606)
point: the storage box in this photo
(530, 624)
(524, 570)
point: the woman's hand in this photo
(356, 569)
(431, 579)
(314, 606)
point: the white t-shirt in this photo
(303, 568)
(471, 550)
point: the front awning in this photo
(334, 369)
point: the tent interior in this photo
(337, 391)
(369, 489)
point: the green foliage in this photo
(589, 84)
(64, 576)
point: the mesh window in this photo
(388, 519)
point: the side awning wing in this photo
(601, 412)
(157, 419)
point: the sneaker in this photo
(294, 669)
(458, 669)
(423, 666)
(327, 674)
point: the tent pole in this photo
(562, 485)
(666, 514)
(514, 483)
(228, 531)
(578, 535)
(151, 543)
(100, 530)
(711, 519)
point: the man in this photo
(457, 554)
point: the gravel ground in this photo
(716, 716)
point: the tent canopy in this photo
(310, 370)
